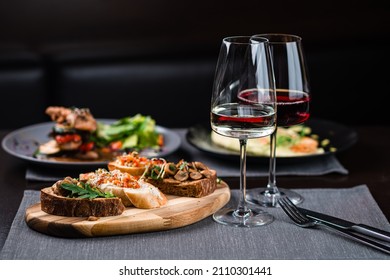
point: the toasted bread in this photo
(146, 196)
(52, 202)
(131, 163)
(135, 171)
(191, 179)
(131, 191)
(189, 188)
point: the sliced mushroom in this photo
(182, 165)
(170, 168)
(61, 191)
(200, 165)
(207, 173)
(181, 175)
(195, 175)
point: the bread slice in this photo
(132, 163)
(55, 204)
(130, 189)
(146, 196)
(135, 171)
(191, 179)
(189, 187)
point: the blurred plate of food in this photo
(83, 140)
(314, 139)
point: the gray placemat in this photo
(225, 168)
(210, 240)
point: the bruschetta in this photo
(130, 189)
(69, 197)
(191, 179)
(131, 163)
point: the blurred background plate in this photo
(23, 143)
(340, 136)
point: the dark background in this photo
(122, 57)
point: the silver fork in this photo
(303, 221)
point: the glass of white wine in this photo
(243, 106)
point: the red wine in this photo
(293, 107)
(235, 120)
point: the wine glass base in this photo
(252, 218)
(265, 198)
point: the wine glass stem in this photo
(271, 187)
(242, 209)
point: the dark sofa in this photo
(158, 58)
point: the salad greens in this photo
(134, 132)
(85, 191)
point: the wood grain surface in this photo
(178, 212)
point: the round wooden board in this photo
(178, 212)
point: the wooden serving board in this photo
(178, 212)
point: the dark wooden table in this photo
(368, 162)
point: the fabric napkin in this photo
(225, 168)
(207, 239)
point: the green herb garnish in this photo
(155, 172)
(284, 140)
(85, 191)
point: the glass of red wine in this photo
(243, 106)
(293, 98)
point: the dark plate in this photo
(22, 143)
(341, 137)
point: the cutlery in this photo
(306, 222)
(347, 225)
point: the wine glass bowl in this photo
(243, 106)
(293, 107)
(245, 117)
(293, 100)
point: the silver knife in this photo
(347, 225)
(367, 240)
